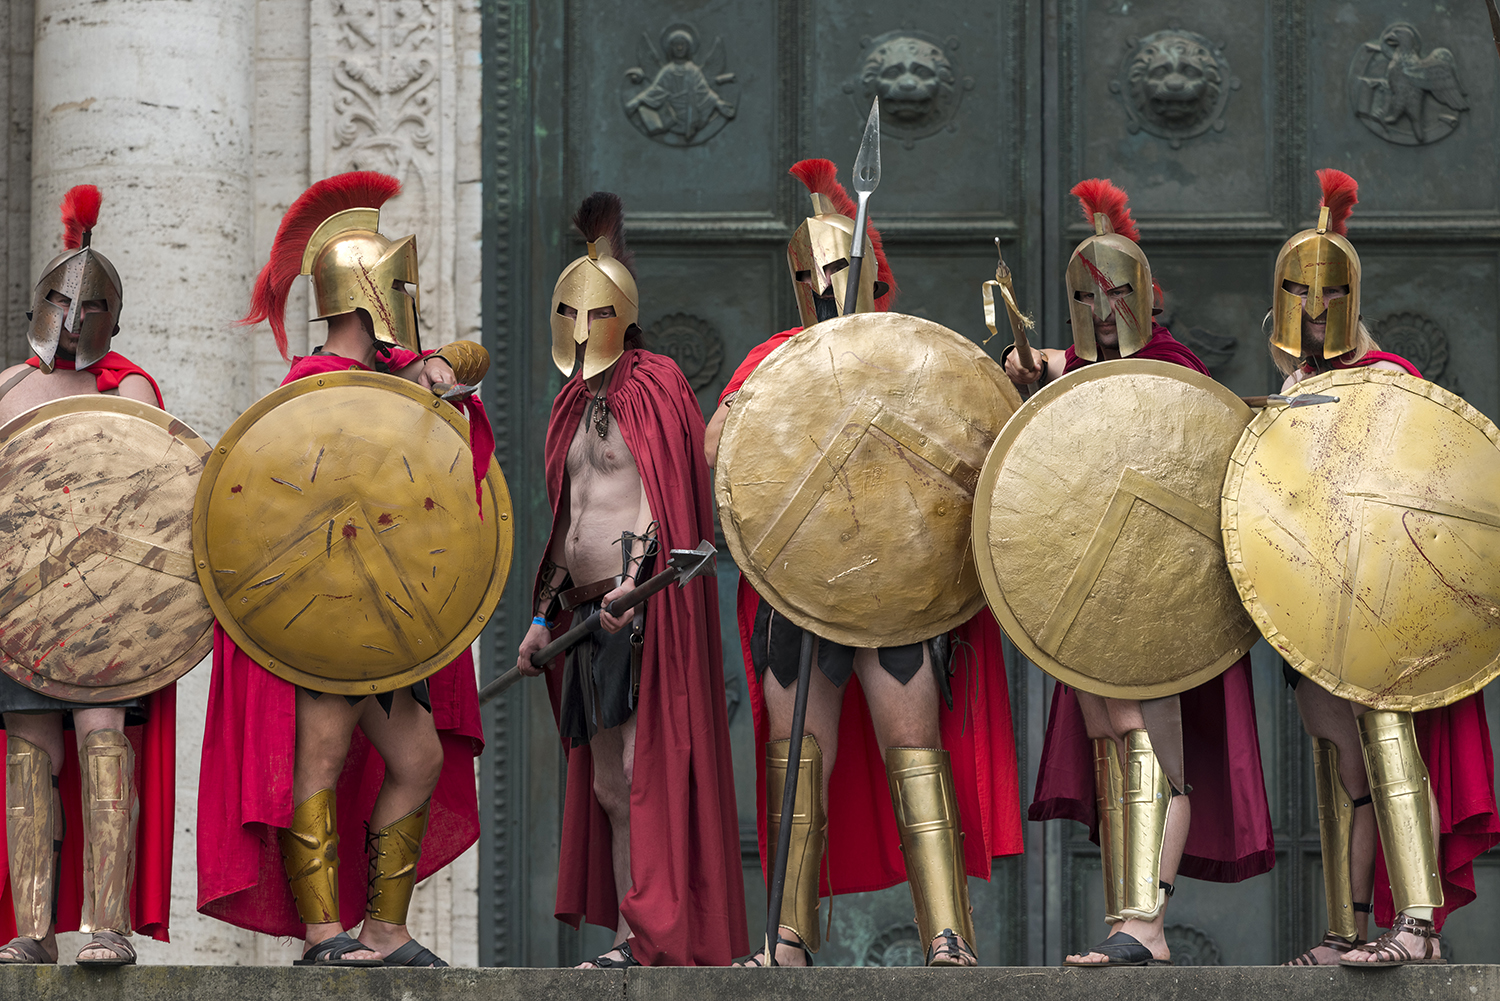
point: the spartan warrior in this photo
(296, 780)
(1431, 826)
(1202, 740)
(650, 831)
(118, 750)
(929, 828)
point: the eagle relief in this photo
(1402, 95)
(673, 97)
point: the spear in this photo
(866, 179)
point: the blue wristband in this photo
(538, 620)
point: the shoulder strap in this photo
(14, 380)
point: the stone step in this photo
(259, 983)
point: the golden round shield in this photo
(1096, 529)
(338, 539)
(99, 601)
(846, 473)
(1364, 537)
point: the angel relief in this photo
(1402, 95)
(673, 97)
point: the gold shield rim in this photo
(203, 643)
(1302, 663)
(858, 631)
(989, 578)
(500, 500)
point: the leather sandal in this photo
(951, 946)
(1121, 949)
(1337, 943)
(119, 945)
(1390, 952)
(412, 953)
(331, 952)
(24, 952)
(608, 962)
(759, 959)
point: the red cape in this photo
(245, 786)
(1230, 838)
(686, 906)
(1455, 745)
(155, 746)
(864, 846)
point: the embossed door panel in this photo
(1214, 299)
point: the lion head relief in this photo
(912, 77)
(1175, 81)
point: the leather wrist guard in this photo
(33, 832)
(310, 853)
(1148, 798)
(110, 810)
(469, 361)
(394, 851)
(1336, 832)
(926, 806)
(799, 904)
(1401, 790)
(1109, 792)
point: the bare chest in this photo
(36, 389)
(591, 457)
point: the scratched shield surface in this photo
(846, 474)
(1364, 538)
(1096, 530)
(338, 538)
(99, 600)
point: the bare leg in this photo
(1120, 717)
(824, 705)
(43, 730)
(614, 768)
(1329, 717)
(408, 742)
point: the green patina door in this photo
(1213, 114)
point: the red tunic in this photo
(686, 905)
(155, 778)
(864, 845)
(1230, 838)
(245, 792)
(1455, 745)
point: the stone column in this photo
(152, 101)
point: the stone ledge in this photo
(260, 983)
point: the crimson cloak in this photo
(686, 905)
(864, 850)
(1230, 837)
(155, 744)
(245, 788)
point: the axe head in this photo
(690, 563)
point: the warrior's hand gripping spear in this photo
(1003, 289)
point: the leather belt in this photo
(575, 596)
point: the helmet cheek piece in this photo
(818, 258)
(1102, 262)
(82, 276)
(353, 268)
(591, 283)
(1320, 261)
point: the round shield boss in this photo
(1096, 530)
(99, 600)
(338, 538)
(846, 474)
(1364, 537)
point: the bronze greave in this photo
(1336, 831)
(1148, 798)
(394, 851)
(310, 853)
(110, 811)
(33, 831)
(927, 819)
(1109, 791)
(799, 904)
(1399, 786)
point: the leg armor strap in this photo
(927, 819)
(799, 903)
(310, 853)
(394, 851)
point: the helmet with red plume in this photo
(1317, 276)
(330, 232)
(1109, 278)
(819, 252)
(79, 290)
